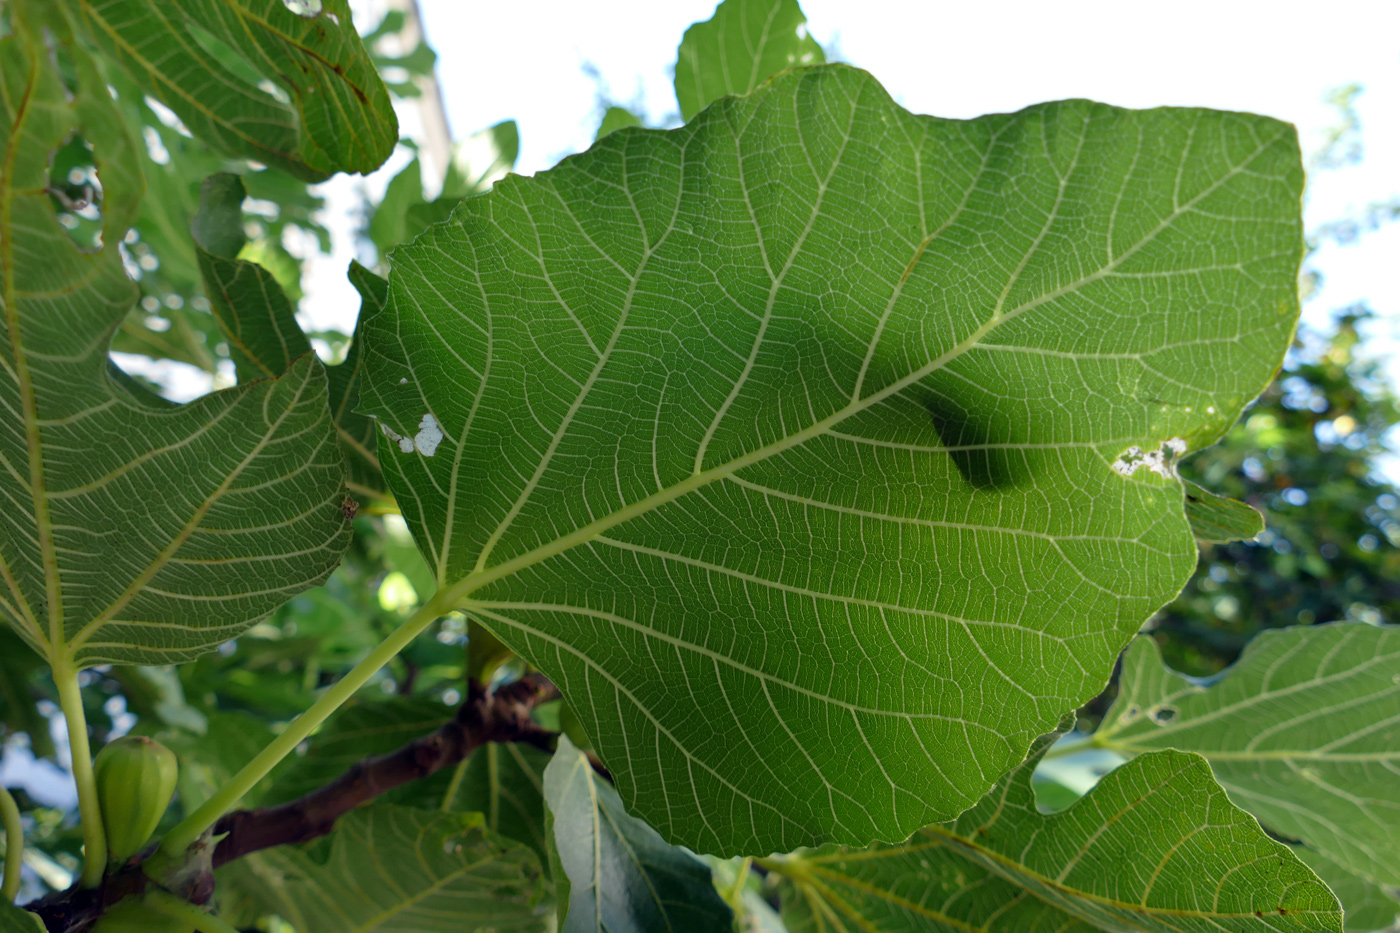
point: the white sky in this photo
(526, 61)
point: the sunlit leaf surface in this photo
(823, 453)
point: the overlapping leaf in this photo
(1303, 731)
(261, 329)
(1156, 846)
(254, 78)
(621, 876)
(745, 42)
(820, 452)
(387, 868)
(503, 782)
(133, 530)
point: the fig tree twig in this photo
(499, 716)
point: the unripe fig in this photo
(135, 781)
(132, 916)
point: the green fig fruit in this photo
(135, 781)
(132, 916)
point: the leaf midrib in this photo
(483, 575)
(43, 522)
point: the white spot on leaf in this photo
(429, 436)
(1160, 461)
(426, 441)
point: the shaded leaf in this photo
(252, 310)
(260, 326)
(737, 49)
(214, 62)
(360, 730)
(207, 762)
(357, 432)
(19, 666)
(133, 530)
(1302, 731)
(389, 868)
(1220, 519)
(14, 920)
(389, 224)
(623, 877)
(840, 425)
(504, 782)
(1366, 906)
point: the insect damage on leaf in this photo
(1161, 461)
(426, 441)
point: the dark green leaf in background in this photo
(255, 79)
(391, 869)
(745, 42)
(623, 877)
(830, 433)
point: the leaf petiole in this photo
(14, 845)
(70, 700)
(188, 830)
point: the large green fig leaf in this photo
(732, 52)
(133, 530)
(255, 79)
(1302, 731)
(822, 453)
(391, 869)
(622, 876)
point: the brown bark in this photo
(502, 716)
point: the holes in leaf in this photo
(76, 193)
(1162, 715)
(306, 8)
